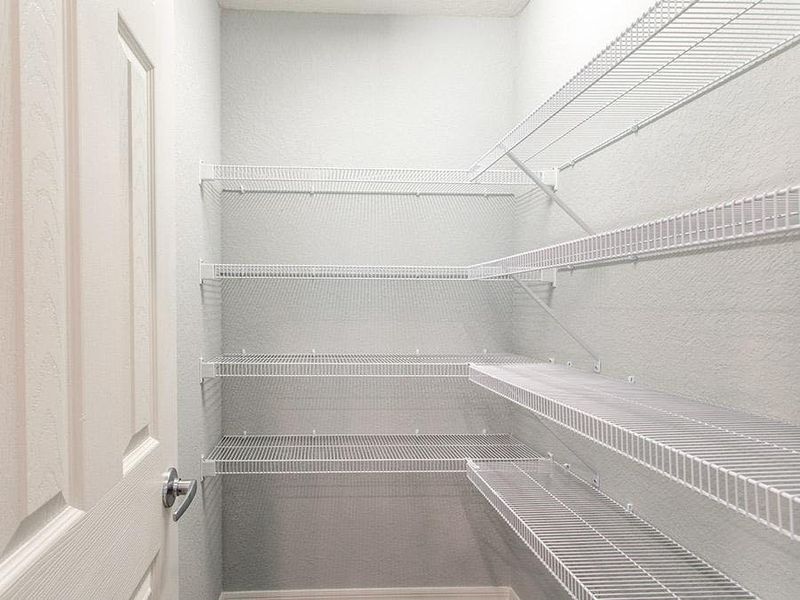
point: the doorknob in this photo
(174, 487)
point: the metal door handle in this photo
(174, 487)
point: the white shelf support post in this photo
(560, 323)
(205, 172)
(548, 191)
(207, 370)
(550, 276)
(208, 468)
(206, 271)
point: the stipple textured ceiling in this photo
(474, 8)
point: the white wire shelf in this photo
(269, 454)
(212, 271)
(731, 222)
(676, 51)
(592, 545)
(748, 463)
(393, 182)
(278, 271)
(349, 365)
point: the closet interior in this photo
(567, 369)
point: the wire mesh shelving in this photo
(759, 216)
(350, 365)
(404, 272)
(748, 463)
(592, 545)
(272, 454)
(676, 51)
(210, 271)
(374, 182)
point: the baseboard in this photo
(427, 593)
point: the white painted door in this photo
(87, 313)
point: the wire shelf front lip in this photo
(759, 216)
(748, 463)
(213, 271)
(401, 182)
(428, 453)
(350, 365)
(288, 271)
(675, 52)
(592, 545)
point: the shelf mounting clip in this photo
(208, 468)
(549, 192)
(568, 330)
(206, 271)
(207, 370)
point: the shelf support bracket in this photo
(205, 173)
(206, 271)
(207, 370)
(208, 468)
(560, 323)
(548, 191)
(549, 276)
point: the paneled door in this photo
(87, 310)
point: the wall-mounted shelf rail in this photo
(750, 464)
(269, 454)
(592, 545)
(675, 52)
(392, 182)
(213, 271)
(350, 365)
(404, 272)
(731, 222)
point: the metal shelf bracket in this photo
(208, 468)
(550, 193)
(206, 271)
(549, 276)
(560, 323)
(205, 172)
(207, 370)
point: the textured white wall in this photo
(556, 38)
(365, 91)
(280, 533)
(350, 531)
(719, 325)
(377, 91)
(343, 405)
(374, 316)
(199, 313)
(713, 324)
(361, 91)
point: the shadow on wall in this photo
(378, 316)
(367, 230)
(361, 405)
(364, 531)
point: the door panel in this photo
(33, 329)
(138, 112)
(87, 328)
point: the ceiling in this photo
(472, 8)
